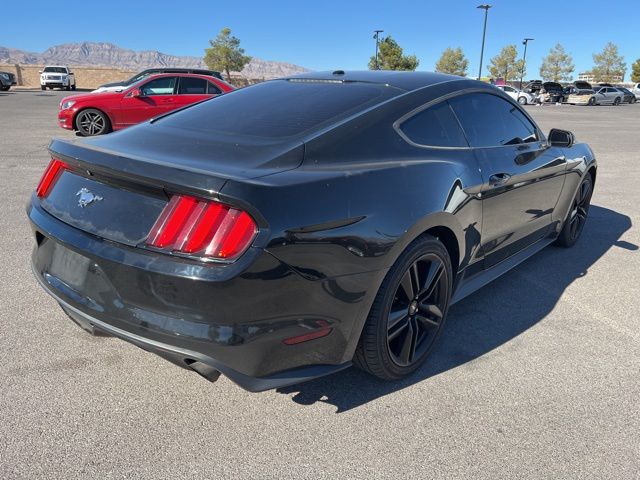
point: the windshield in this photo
(55, 70)
(280, 108)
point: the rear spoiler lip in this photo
(141, 174)
(138, 171)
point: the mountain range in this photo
(110, 55)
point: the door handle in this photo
(498, 179)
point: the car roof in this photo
(399, 79)
(179, 74)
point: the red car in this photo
(102, 112)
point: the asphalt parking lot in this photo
(537, 375)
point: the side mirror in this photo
(561, 138)
(136, 92)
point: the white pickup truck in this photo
(56, 76)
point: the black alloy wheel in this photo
(408, 313)
(92, 122)
(574, 224)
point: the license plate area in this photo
(68, 266)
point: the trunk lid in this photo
(117, 185)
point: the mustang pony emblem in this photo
(86, 197)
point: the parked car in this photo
(291, 228)
(7, 79)
(581, 97)
(555, 92)
(597, 96)
(627, 95)
(116, 86)
(607, 96)
(636, 90)
(523, 98)
(56, 76)
(96, 114)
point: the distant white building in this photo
(589, 77)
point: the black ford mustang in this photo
(285, 230)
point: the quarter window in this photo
(491, 121)
(159, 86)
(212, 89)
(192, 86)
(436, 126)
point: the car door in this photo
(602, 97)
(523, 176)
(155, 97)
(191, 90)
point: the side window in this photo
(491, 121)
(192, 86)
(159, 86)
(509, 89)
(212, 89)
(436, 126)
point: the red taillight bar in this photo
(50, 177)
(202, 228)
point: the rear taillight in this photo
(202, 228)
(50, 177)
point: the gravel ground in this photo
(536, 376)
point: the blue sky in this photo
(331, 34)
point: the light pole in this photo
(376, 35)
(524, 58)
(486, 8)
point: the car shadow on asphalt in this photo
(489, 318)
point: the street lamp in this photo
(486, 8)
(524, 58)
(376, 35)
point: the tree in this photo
(225, 54)
(453, 61)
(635, 71)
(504, 65)
(608, 64)
(391, 57)
(557, 66)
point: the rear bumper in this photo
(233, 318)
(183, 357)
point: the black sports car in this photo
(285, 230)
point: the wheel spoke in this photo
(407, 285)
(436, 268)
(431, 313)
(397, 322)
(409, 344)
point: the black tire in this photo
(5, 88)
(68, 88)
(522, 100)
(616, 102)
(73, 87)
(91, 122)
(574, 224)
(43, 87)
(592, 102)
(408, 313)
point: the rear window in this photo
(280, 108)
